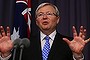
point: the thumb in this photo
(66, 40)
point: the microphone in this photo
(25, 42)
(16, 44)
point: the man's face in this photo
(46, 18)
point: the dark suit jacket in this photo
(59, 50)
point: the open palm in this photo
(78, 42)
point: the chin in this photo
(45, 28)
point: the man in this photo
(59, 47)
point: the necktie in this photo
(46, 48)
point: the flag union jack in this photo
(22, 20)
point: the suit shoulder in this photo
(64, 36)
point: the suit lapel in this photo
(36, 47)
(39, 47)
(55, 49)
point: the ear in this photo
(58, 19)
(36, 22)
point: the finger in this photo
(66, 40)
(4, 39)
(86, 41)
(81, 31)
(8, 31)
(74, 32)
(2, 31)
(80, 34)
(84, 33)
(0, 35)
(83, 36)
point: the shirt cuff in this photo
(6, 58)
(78, 57)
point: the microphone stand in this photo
(21, 50)
(16, 45)
(14, 53)
(24, 43)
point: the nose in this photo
(44, 16)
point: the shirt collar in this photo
(52, 35)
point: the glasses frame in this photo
(41, 14)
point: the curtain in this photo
(6, 12)
(72, 12)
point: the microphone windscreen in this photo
(25, 42)
(16, 42)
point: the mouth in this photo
(45, 23)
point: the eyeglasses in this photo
(47, 14)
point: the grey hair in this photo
(45, 4)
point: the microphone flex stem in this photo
(21, 50)
(14, 53)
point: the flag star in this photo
(15, 34)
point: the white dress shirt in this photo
(52, 36)
(6, 58)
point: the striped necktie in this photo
(46, 48)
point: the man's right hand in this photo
(6, 44)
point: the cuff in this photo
(6, 58)
(78, 57)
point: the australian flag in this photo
(22, 19)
